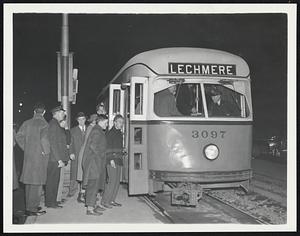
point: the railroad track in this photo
(245, 216)
(187, 215)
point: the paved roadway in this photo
(271, 167)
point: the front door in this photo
(138, 162)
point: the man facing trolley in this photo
(78, 135)
(93, 164)
(32, 138)
(114, 161)
(58, 155)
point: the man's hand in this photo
(61, 164)
(112, 163)
(44, 154)
(72, 157)
(124, 152)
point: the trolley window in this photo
(138, 104)
(181, 98)
(225, 102)
(184, 99)
(116, 101)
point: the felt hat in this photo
(58, 108)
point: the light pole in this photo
(67, 83)
(65, 68)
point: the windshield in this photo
(188, 99)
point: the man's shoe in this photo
(93, 213)
(99, 208)
(115, 204)
(61, 202)
(55, 206)
(80, 198)
(34, 213)
(107, 206)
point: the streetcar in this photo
(174, 140)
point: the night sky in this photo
(103, 43)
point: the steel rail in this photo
(237, 209)
(158, 208)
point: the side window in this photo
(225, 102)
(138, 102)
(116, 101)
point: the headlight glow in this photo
(211, 151)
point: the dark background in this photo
(103, 43)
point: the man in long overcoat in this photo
(58, 155)
(94, 173)
(77, 136)
(32, 138)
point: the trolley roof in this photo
(157, 60)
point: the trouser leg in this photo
(91, 192)
(61, 184)
(52, 182)
(81, 189)
(73, 187)
(109, 188)
(33, 196)
(116, 183)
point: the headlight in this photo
(211, 151)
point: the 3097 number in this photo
(208, 134)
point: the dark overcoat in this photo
(58, 142)
(165, 104)
(114, 150)
(32, 138)
(80, 155)
(77, 140)
(93, 162)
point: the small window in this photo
(137, 135)
(138, 103)
(137, 161)
(116, 101)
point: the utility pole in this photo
(67, 83)
(65, 68)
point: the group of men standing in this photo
(96, 157)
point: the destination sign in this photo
(201, 69)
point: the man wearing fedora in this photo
(58, 155)
(32, 138)
(77, 136)
(221, 107)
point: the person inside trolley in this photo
(100, 109)
(165, 102)
(220, 106)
